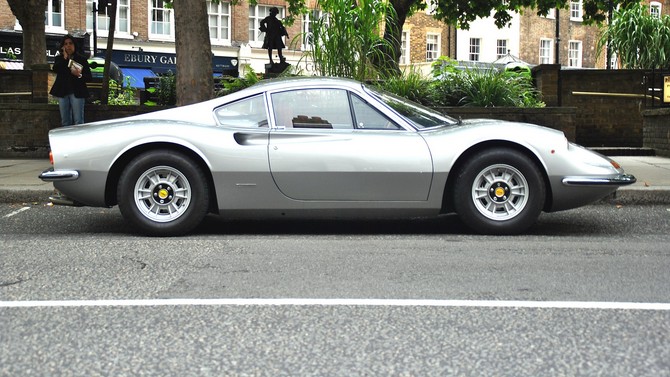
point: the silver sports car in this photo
(322, 148)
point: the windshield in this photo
(420, 116)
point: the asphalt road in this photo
(585, 292)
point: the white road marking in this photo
(16, 212)
(340, 302)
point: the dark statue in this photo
(274, 32)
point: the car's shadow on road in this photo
(448, 224)
(548, 224)
(70, 220)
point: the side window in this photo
(312, 108)
(247, 113)
(369, 118)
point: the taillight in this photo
(51, 157)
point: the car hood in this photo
(505, 125)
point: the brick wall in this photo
(24, 128)
(7, 19)
(595, 108)
(25, 85)
(608, 102)
(657, 130)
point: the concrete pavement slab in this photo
(19, 181)
(653, 180)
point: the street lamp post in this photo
(95, 27)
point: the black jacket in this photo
(66, 83)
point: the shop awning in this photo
(137, 76)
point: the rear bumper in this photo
(619, 180)
(51, 175)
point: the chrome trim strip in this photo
(619, 180)
(51, 175)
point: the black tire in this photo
(163, 193)
(499, 191)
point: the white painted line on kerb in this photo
(340, 302)
(16, 212)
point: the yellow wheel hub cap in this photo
(163, 193)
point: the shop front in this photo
(136, 65)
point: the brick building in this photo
(558, 38)
(144, 37)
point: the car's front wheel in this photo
(163, 193)
(499, 191)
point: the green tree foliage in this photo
(346, 40)
(639, 39)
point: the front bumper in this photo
(619, 180)
(51, 175)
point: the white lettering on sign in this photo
(139, 58)
(168, 60)
(10, 50)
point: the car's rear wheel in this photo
(163, 193)
(499, 191)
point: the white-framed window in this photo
(122, 17)
(575, 54)
(546, 51)
(576, 10)
(54, 16)
(475, 49)
(161, 20)
(404, 47)
(308, 21)
(256, 14)
(219, 22)
(431, 6)
(551, 14)
(614, 61)
(501, 48)
(655, 9)
(432, 47)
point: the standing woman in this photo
(72, 73)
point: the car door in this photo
(316, 152)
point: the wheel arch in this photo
(123, 160)
(448, 197)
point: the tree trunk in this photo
(30, 14)
(393, 35)
(195, 82)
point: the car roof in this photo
(303, 81)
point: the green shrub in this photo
(412, 86)
(239, 83)
(121, 95)
(346, 41)
(166, 91)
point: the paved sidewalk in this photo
(19, 182)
